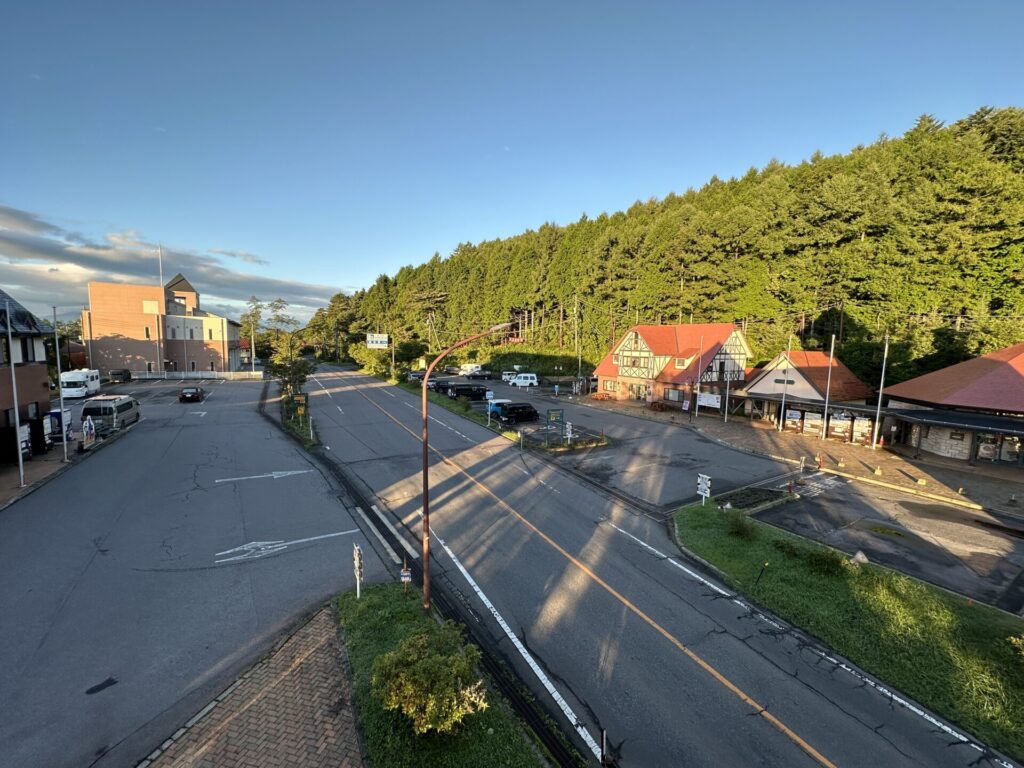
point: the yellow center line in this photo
(707, 667)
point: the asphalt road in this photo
(975, 553)
(653, 462)
(634, 639)
(124, 608)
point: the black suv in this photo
(472, 391)
(514, 413)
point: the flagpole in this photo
(881, 389)
(785, 383)
(14, 389)
(828, 389)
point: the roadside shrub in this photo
(739, 525)
(431, 679)
(824, 561)
(787, 547)
(1017, 641)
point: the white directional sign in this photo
(377, 340)
(703, 486)
(275, 475)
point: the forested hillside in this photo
(921, 235)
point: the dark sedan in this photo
(191, 395)
(486, 375)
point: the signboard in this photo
(862, 429)
(377, 341)
(406, 575)
(489, 395)
(704, 486)
(812, 423)
(839, 425)
(555, 416)
(686, 404)
(793, 420)
(568, 430)
(707, 400)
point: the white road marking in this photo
(257, 549)
(889, 694)
(197, 413)
(401, 539)
(381, 539)
(389, 394)
(339, 410)
(274, 475)
(561, 702)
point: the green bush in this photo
(431, 679)
(739, 525)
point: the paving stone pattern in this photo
(292, 709)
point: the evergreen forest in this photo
(920, 237)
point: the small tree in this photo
(431, 679)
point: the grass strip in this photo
(962, 660)
(376, 624)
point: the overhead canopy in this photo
(974, 422)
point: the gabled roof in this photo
(23, 322)
(813, 366)
(992, 382)
(675, 341)
(179, 283)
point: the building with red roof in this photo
(973, 410)
(669, 362)
(802, 381)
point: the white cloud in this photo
(42, 264)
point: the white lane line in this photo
(381, 539)
(257, 549)
(389, 394)
(339, 410)
(561, 702)
(401, 539)
(325, 389)
(274, 475)
(889, 694)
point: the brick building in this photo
(27, 353)
(146, 328)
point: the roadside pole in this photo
(60, 391)
(14, 391)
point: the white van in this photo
(507, 376)
(111, 411)
(524, 380)
(79, 383)
(467, 368)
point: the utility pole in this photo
(60, 390)
(14, 391)
(576, 333)
(828, 389)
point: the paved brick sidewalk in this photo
(292, 709)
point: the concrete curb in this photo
(904, 489)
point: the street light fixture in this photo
(426, 481)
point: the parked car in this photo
(524, 380)
(191, 395)
(111, 411)
(472, 391)
(494, 406)
(120, 375)
(516, 413)
(417, 375)
(486, 375)
(507, 376)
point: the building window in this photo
(33, 410)
(615, 359)
(193, 364)
(211, 365)
(721, 370)
(149, 367)
(211, 338)
(611, 386)
(174, 333)
(956, 435)
(675, 395)
(147, 331)
(192, 333)
(28, 350)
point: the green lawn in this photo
(375, 625)
(962, 660)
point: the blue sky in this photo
(299, 149)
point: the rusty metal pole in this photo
(425, 453)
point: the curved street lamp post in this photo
(426, 482)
